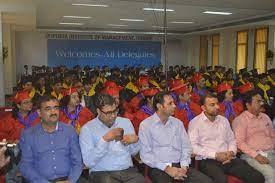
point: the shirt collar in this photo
(105, 126)
(58, 127)
(251, 116)
(204, 118)
(156, 120)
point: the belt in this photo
(58, 179)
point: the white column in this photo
(2, 95)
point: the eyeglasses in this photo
(109, 113)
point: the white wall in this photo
(31, 49)
(175, 55)
(191, 50)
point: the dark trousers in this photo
(237, 167)
(130, 175)
(193, 176)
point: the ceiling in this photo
(47, 14)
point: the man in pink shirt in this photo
(256, 137)
(214, 144)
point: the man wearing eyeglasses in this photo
(50, 150)
(255, 136)
(107, 144)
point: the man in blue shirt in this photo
(107, 144)
(165, 146)
(50, 150)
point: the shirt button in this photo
(53, 158)
(51, 142)
(54, 167)
(52, 151)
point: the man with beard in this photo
(50, 150)
(165, 146)
(214, 144)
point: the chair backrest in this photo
(5, 110)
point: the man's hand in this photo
(221, 157)
(176, 173)
(129, 139)
(229, 156)
(261, 159)
(113, 134)
(3, 159)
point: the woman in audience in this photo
(228, 108)
(20, 118)
(72, 112)
(146, 107)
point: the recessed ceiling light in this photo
(131, 20)
(160, 27)
(77, 17)
(217, 13)
(176, 22)
(117, 25)
(91, 5)
(156, 9)
(70, 23)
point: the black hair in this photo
(247, 98)
(221, 96)
(103, 100)
(44, 99)
(159, 99)
(208, 95)
(65, 100)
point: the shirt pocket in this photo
(267, 129)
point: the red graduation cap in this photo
(150, 92)
(246, 87)
(111, 84)
(20, 96)
(113, 91)
(223, 87)
(175, 83)
(69, 91)
(197, 77)
(143, 80)
(181, 89)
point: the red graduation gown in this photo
(10, 128)
(182, 114)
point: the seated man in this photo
(165, 146)
(255, 136)
(214, 144)
(107, 143)
(50, 150)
